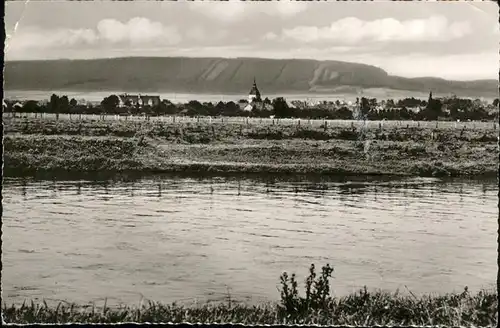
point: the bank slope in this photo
(70, 147)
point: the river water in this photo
(180, 239)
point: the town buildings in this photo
(127, 100)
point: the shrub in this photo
(348, 135)
(310, 134)
(317, 290)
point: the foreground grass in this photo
(316, 307)
(33, 146)
(362, 308)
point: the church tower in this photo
(430, 100)
(254, 95)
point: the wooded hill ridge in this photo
(223, 76)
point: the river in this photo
(181, 238)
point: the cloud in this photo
(288, 8)
(196, 33)
(226, 11)
(270, 36)
(136, 31)
(353, 30)
(232, 11)
(31, 37)
(201, 34)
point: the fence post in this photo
(326, 125)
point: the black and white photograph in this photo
(251, 162)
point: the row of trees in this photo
(432, 109)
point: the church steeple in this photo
(254, 94)
(429, 101)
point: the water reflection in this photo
(78, 188)
(24, 185)
(175, 237)
(410, 188)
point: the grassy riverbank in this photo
(316, 306)
(37, 145)
(362, 308)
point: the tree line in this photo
(452, 108)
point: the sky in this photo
(452, 40)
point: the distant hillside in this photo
(222, 75)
